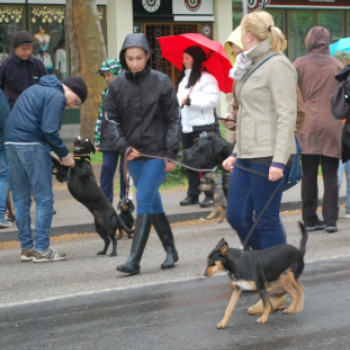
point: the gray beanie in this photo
(22, 38)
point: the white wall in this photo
(119, 24)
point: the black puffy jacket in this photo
(144, 107)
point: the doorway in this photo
(154, 31)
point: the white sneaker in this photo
(49, 255)
(347, 215)
(5, 224)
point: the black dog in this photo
(210, 149)
(83, 187)
(126, 207)
(253, 270)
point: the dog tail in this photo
(303, 241)
(125, 228)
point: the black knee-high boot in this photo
(163, 229)
(141, 233)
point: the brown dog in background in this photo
(213, 182)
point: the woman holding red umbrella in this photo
(198, 94)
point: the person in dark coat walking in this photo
(320, 133)
(144, 106)
(31, 133)
(20, 69)
(4, 169)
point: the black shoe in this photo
(163, 229)
(331, 228)
(319, 226)
(207, 202)
(141, 233)
(189, 200)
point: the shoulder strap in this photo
(265, 60)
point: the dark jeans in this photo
(248, 193)
(309, 191)
(148, 176)
(194, 176)
(109, 166)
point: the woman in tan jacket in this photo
(266, 85)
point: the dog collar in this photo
(83, 157)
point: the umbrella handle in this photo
(188, 95)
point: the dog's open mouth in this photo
(78, 147)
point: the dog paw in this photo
(221, 325)
(113, 254)
(288, 311)
(261, 320)
(101, 253)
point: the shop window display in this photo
(47, 28)
(11, 21)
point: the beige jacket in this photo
(267, 107)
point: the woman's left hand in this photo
(275, 173)
(169, 166)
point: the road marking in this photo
(136, 286)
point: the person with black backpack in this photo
(341, 110)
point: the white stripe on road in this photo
(182, 279)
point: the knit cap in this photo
(78, 86)
(22, 38)
(197, 53)
(112, 65)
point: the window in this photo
(278, 17)
(299, 24)
(334, 22)
(11, 21)
(46, 25)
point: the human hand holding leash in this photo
(275, 173)
(230, 124)
(228, 163)
(169, 166)
(131, 153)
(68, 161)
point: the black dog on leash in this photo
(83, 187)
(255, 269)
(210, 149)
(126, 207)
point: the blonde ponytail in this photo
(262, 26)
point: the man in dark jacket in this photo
(31, 133)
(4, 169)
(20, 69)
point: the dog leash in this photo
(245, 242)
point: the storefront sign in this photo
(326, 3)
(151, 5)
(193, 7)
(257, 5)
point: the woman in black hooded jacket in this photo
(144, 106)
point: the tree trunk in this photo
(88, 51)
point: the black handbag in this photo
(296, 174)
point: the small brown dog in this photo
(213, 182)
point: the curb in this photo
(59, 230)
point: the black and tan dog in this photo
(83, 187)
(255, 269)
(126, 207)
(213, 182)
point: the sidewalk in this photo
(73, 217)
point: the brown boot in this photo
(277, 297)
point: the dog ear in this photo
(119, 204)
(132, 206)
(223, 246)
(92, 148)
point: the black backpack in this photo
(340, 100)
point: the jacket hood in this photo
(134, 40)
(51, 80)
(317, 41)
(234, 38)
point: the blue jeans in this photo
(248, 193)
(109, 166)
(341, 168)
(4, 182)
(148, 176)
(30, 174)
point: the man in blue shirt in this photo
(31, 133)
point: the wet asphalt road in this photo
(184, 315)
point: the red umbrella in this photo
(218, 65)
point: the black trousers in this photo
(309, 190)
(194, 176)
